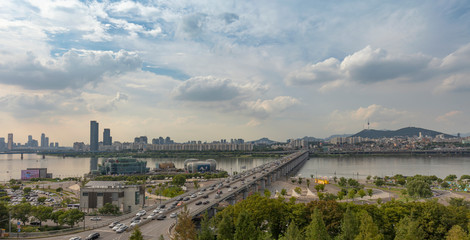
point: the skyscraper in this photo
(43, 140)
(10, 141)
(94, 129)
(107, 139)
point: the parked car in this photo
(173, 215)
(93, 236)
(95, 219)
(113, 224)
(161, 217)
(117, 226)
(122, 229)
(206, 202)
(199, 203)
(75, 238)
(135, 223)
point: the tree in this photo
(27, 190)
(450, 178)
(456, 233)
(407, 229)
(283, 192)
(418, 188)
(349, 226)
(42, 213)
(56, 215)
(370, 192)
(267, 193)
(136, 234)
(308, 183)
(15, 187)
(205, 233)
(379, 182)
(179, 180)
(316, 229)
(340, 195)
(293, 180)
(369, 177)
(59, 189)
(109, 208)
(71, 217)
(21, 212)
(3, 214)
(41, 199)
(292, 233)
(368, 230)
(300, 180)
(245, 229)
(318, 187)
(361, 193)
(184, 229)
(298, 190)
(196, 184)
(352, 194)
(342, 182)
(445, 185)
(225, 228)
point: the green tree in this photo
(308, 183)
(15, 187)
(457, 233)
(445, 185)
(318, 187)
(342, 182)
(42, 213)
(352, 194)
(27, 190)
(185, 229)
(244, 228)
(179, 180)
(109, 208)
(225, 228)
(370, 192)
(407, 229)
(300, 180)
(42, 199)
(283, 192)
(379, 182)
(196, 184)
(4, 215)
(21, 212)
(267, 193)
(292, 233)
(71, 217)
(368, 230)
(418, 188)
(340, 195)
(361, 193)
(349, 226)
(136, 234)
(55, 216)
(205, 233)
(316, 229)
(450, 178)
(59, 189)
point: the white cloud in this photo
(264, 108)
(448, 116)
(210, 89)
(73, 69)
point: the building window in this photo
(85, 194)
(100, 194)
(137, 198)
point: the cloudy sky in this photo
(206, 70)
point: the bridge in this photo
(434, 152)
(241, 185)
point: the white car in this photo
(113, 224)
(141, 213)
(75, 238)
(173, 215)
(136, 222)
(117, 226)
(95, 219)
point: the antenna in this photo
(368, 124)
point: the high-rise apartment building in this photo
(46, 142)
(43, 140)
(94, 129)
(2, 143)
(107, 139)
(10, 141)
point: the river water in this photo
(12, 164)
(357, 167)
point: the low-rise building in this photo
(123, 166)
(96, 194)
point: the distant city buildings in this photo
(123, 166)
(10, 141)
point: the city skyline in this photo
(209, 70)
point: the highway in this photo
(152, 229)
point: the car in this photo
(186, 199)
(152, 216)
(179, 199)
(135, 223)
(199, 193)
(141, 213)
(211, 188)
(117, 226)
(156, 210)
(161, 217)
(93, 236)
(230, 189)
(122, 229)
(113, 224)
(254, 177)
(136, 218)
(235, 187)
(75, 238)
(173, 215)
(162, 206)
(217, 196)
(171, 207)
(205, 196)
(95, 219)
(206, 202)
(193, 196)
(199, 203)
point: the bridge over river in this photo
(233, 188)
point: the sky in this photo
(210, 70)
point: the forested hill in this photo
(404, 132)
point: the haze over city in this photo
(209, 70)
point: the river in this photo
(357, 167)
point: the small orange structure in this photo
(322, 181)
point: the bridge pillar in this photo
(231, 201)
(211, 212)
(268, 180)
(245, 194)
(262, 184)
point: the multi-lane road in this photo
(152, 229)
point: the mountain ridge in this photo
(402, 132)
